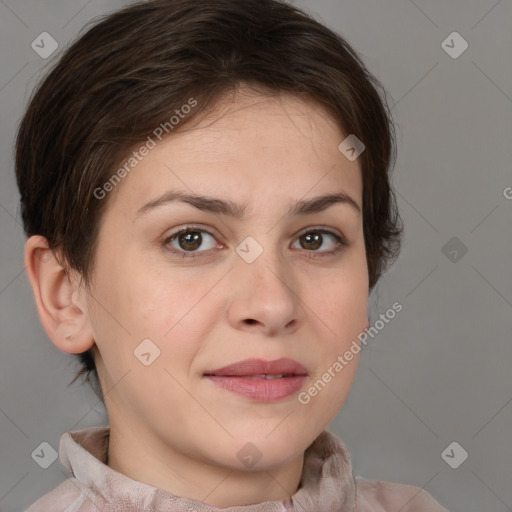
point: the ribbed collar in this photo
(326, 485)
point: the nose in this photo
(264, 297)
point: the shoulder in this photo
(65, 497)
(378, 496)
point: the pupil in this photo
(313, 240)
(192, 239)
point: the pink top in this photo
(327, 485)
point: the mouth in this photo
(261, 376)
(261, 369)
(260, 380)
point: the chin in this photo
(257, 450)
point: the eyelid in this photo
(342, 242)
(321, 228)
(188, 227)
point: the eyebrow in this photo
(226, 207)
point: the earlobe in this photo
(59, 299)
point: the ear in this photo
(60, 299)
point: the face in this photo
(206, 287)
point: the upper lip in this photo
(283, 366)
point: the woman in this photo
(205, 191)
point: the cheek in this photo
(134, 304)
(138, 294)
(342, 316)
(342, 299)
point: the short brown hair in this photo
(129, 73)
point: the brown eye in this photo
(311, 240)
(314, 239)
(190, 240)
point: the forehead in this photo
(256, 120)
(273, 145)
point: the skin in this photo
(171, 427)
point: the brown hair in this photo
(129, 73)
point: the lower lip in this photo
(261, 390)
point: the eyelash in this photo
(340, 246)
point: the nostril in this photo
(251, 321)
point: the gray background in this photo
(437, 373)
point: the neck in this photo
(148, 460)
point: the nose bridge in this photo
(263, 260)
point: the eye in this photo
(186, 242)
(189, 240)
(313, 239)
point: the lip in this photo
(247, 378)
(249, 367)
